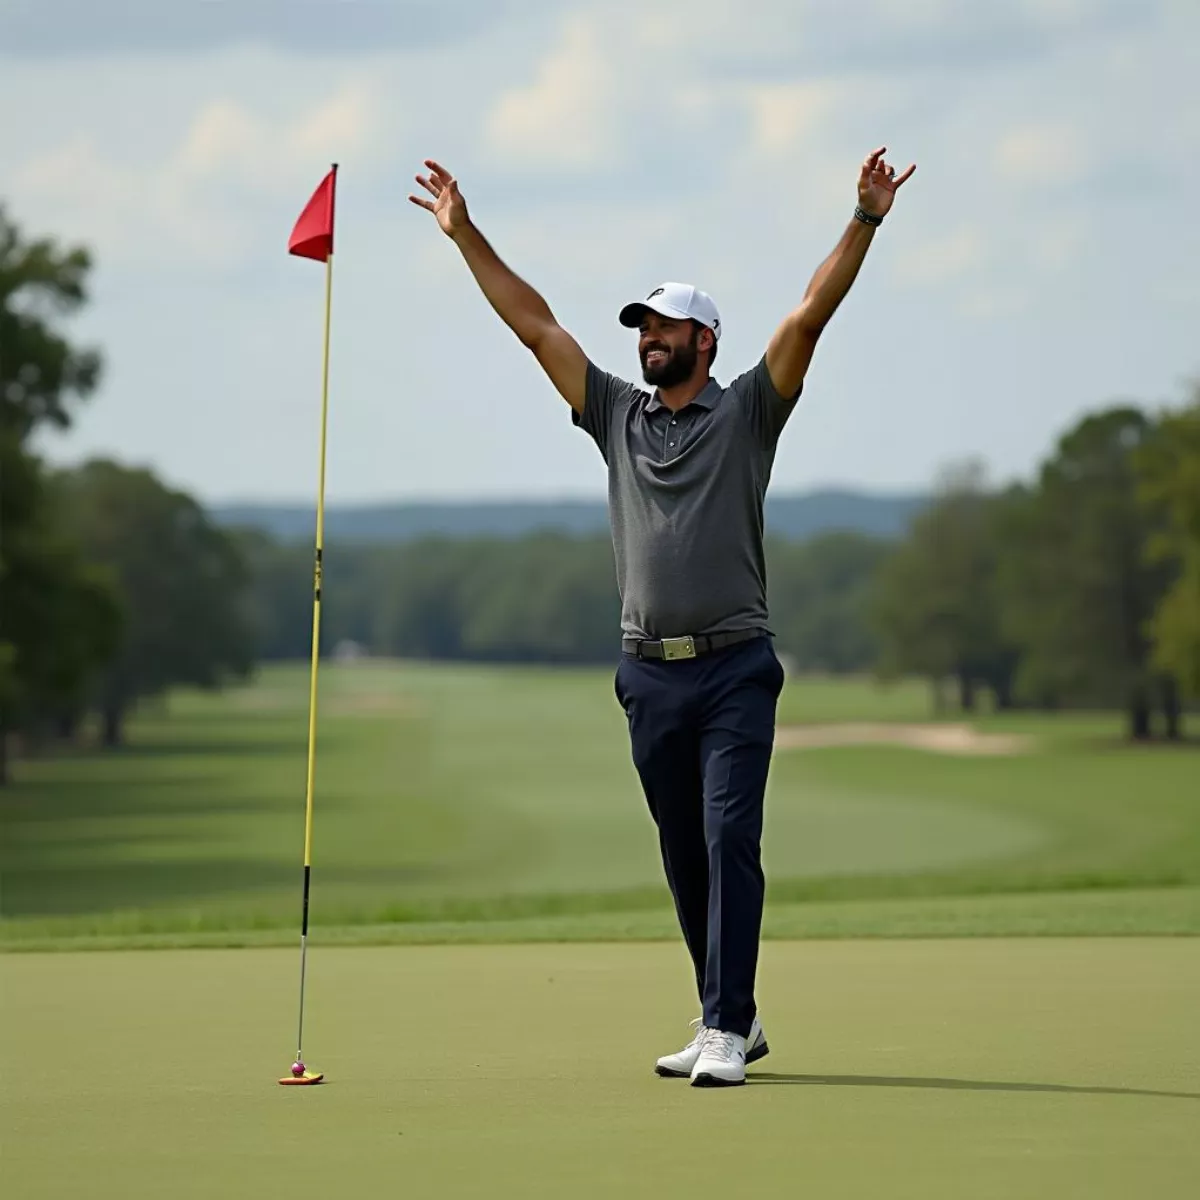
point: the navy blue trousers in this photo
(701, 731)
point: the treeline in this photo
(1080, 587)
(113, 587)
(546, 598)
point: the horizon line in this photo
(539, 499)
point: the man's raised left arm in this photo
(791, 348)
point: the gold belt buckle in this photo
(680, 647)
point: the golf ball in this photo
(298, 1069)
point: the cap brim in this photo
(631, 315)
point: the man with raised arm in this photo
(688, 466)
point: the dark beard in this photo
(677, 369)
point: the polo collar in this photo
(707, 398)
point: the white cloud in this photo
(685, 139)
(989, 301)
(944, 258)
(915, 14)
(222, 134)
(1058, 241)
(275, 156)
(1040, 154)
(785, 115)
(1054, 13)
(76, 167)
(563, 117)
(190, 203)
(608, 245)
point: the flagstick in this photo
(316, 646)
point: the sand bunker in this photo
(936, 738)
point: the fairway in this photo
(453, 796)
(1038, 1068)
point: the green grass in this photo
(1159, 912)
(500, 802)
(931, 1070)
(474, 806)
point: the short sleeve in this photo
(765, 409)
(605, 395)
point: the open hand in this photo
(448, 204)
(877, 183)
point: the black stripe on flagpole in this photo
(304, 923)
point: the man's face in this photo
(668, 350)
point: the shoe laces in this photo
(719, 1045)
(701, 1033)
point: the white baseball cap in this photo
(678, 300)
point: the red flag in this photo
(312, 236)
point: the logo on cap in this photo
(656, 292)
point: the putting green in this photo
(986, 1069)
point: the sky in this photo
(1044, 260)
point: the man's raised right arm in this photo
(518, 305)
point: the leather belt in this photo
(672, 649)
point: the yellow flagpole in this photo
(298, 1068)
(317, 567)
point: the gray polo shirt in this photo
(685, 497)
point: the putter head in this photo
(309, 1077)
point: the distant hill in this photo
(794, 517)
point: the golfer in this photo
(688, 465)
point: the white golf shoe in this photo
(682, 1064)
(722, 1061)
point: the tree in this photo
(542, 597)
(1168, 467)
(1077, 589)
(40, 372)
(420, 615)
(546, 597)
(353, 593)
(935, 606)
(58, 619)
(182, 582)
(819, 593)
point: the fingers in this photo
(874, 167)
(880, 168)
(439, 184)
